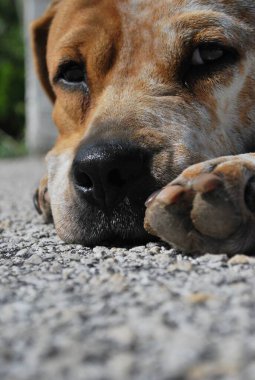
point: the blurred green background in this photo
(12, 109)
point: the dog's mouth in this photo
(121, 226)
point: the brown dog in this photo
(141, 90)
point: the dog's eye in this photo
(208, 57)
(206, 54)
(207, 60)
(71, 75)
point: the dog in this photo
(150, 97)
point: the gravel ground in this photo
(147, 313)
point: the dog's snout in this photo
(105, 173)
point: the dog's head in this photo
(141, 89)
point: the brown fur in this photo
(141, 89)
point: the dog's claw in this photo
(41, 201)
(152, 198)
(36, 202)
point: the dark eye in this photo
(206, 60)
(71, 75)
(207, 54)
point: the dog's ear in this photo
(39, 31)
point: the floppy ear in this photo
(39, 31)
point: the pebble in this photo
(182, 266)
(199, 298)
(241, 259)
(55, 267)
(34, 260)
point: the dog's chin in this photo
(90, 226)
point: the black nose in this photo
(107, 172)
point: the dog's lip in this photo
(116, 240)
(119, 227)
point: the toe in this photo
(170, 194)
(206, 183)
(214, 214)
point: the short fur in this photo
(142, 89)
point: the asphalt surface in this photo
(147, 313)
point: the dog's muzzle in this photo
(111, 181)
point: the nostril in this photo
(82, 179)
(115, 178)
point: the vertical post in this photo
(40, 132)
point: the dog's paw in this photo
(42, 201)
(210, 207)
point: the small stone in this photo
(4, 224)
(17, 261)
(182, 266)
(154, 250)
(209, 258)
(123, 335)
(22, 253)
(120, 366)
(34, 260)
(137, 249)
(55, 268)
(241, 259)
(49, 256)
(67, 273)
(75, 257)
(199, 298)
